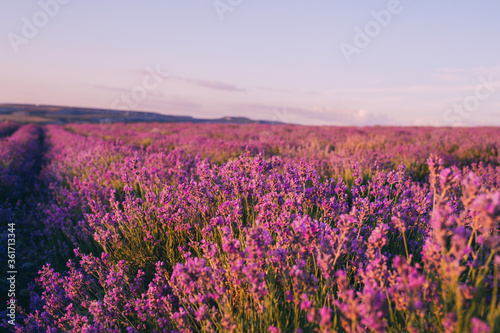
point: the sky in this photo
(317, 62)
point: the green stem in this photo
(406, 247)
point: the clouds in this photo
(310, 116)
(455, 75)
(155, 101)
(212, 85)
(373, 103)
(360, 117)
(175, 105)
(216, 85)
(299, 108)
(111, 88)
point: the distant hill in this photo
(49, 114)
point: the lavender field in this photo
(153, 227)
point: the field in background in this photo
(251, 228)
(50, 114)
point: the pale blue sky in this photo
(275, 60)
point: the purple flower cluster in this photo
(7, 128)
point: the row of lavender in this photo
(332, 150)
(20, 162)
(7, 128)
(19, 155)
(160, 240)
